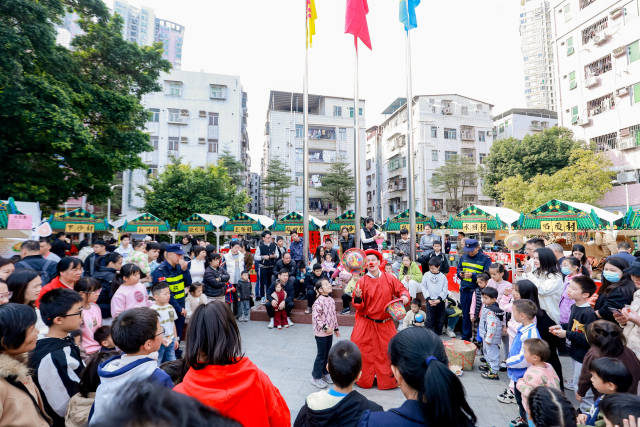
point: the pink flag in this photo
(356, 21)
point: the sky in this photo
(468, 47)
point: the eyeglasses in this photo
(79, 313)
(6, 295)
(160, 333)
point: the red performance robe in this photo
(373, 338)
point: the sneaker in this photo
(483, 360)
(506, 397)
(286, 326)
(270, 325)
(290, 322)
(490, 375)
(318, 383)
(263, 301)
(279, 326)
(327, 379)
(503, 366)
(518, 422)
(307, 310)
(484, 368)
(345, 311)
(450, 333)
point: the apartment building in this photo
(331, 139)
(373, 173)
(537, 55)
(255, 193)
(597, 51)
(519, 122)
(197, 117)
(171, 35)
(444, 126)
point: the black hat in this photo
(634, 268)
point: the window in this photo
(218, 92)
(601, 105)
(570, 48)
(153, 140)
(449, 133)
(299, 154)
(435, 205)
(337, 111)
(567, 12)
(633, 51)
(152, 171)
(174, 115)
(598, 67)
(482, 157)
(212, 146)
(342, 134)
(213, 119)
(636, 93)
(481, 136)
(434, 131)
(369, 181)
(299, 131)
(574, 115)
(464, 110)
(434, 155)
(396, 163)
(450, 155)
(592, 30)
(368, 164)
(585, 3)
(173, 144)
(154, 114)
(172, 88)
(572, 80)
(322, 133)
(359, 111)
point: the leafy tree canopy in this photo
(70, 119)
(543, 153)
(181, 190)
(585, 180)
(339, 185)
(275, 186)
(457, 177)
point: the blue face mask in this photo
(611, 276)
(566, 271)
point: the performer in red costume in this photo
(374, 327)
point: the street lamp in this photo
(109, 201)
(626, 191)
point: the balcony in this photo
(535, 126)
(467, 134)
(627, 142)
(591, 81)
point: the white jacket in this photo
(232, 264)
(550, 289)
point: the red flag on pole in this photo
(356, 21)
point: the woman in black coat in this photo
(215, 277)
(346, 240)
(616, 291)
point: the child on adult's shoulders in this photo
(338, 404)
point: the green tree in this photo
(181, 190)
(275, 186)
(543, 153)
(457, 177)
(339, 185)
(585, 180)
(70, 119)
(234, 167)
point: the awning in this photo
(78, 221)
(481, 218)
(402, 220)
(293, 221)
(196, 224)
(145, 224)
(347, 219)
(246, 223)
(563, 216)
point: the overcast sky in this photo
(467, 47)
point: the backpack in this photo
(41, 271)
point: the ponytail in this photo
(419, 356)
(126, 270)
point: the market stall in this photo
(145, 223)
(201, 224)
(482, 219)
(400, 221)
(17, 222)
(78, 221)
(630, 221)
(246, 224)
(293, 221)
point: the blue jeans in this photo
(465, 305)
(167, 353)
(244, 308)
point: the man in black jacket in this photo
(31, 258)
(61, 245)
(215, 277)
(266, 255)
(338, 405)
(272, 304)
(435, 253)
(285, 264)
(309, 285)
(96, 259)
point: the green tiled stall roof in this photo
(195, 220)
(293, 219)
(557, 210)
(78, 216)
(242, 219)
(630, 221)
(476, 214)
(145, 220)
(7, 209)
(402, 221)
(346, 219)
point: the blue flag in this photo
(408, 13)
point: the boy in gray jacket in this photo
(490, 329)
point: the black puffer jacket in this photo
(105, 275)
(214, 281)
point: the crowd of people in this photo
(109, 335)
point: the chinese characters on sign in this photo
(148, 230)
(558, 226)
(79, 228)
(196, 229)
(293, 228)
(474, 227)
(242, 229)
(19, 222)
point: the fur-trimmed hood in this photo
(12, 367)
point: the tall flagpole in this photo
(305, 147)
(356, 151)
(410, 178)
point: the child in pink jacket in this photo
(128, 291)
(325, 324)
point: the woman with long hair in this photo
(548, 279)
(435, 396)
(222, 377)
(580, 252)
(616, 290)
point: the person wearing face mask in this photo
(616, 291)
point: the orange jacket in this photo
(55, 283)
(240, 391)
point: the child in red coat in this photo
(280, 316)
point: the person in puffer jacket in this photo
(491, 323)
(215, 277)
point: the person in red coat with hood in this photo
(374, 327)
(220, 376)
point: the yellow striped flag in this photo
(311, 21)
